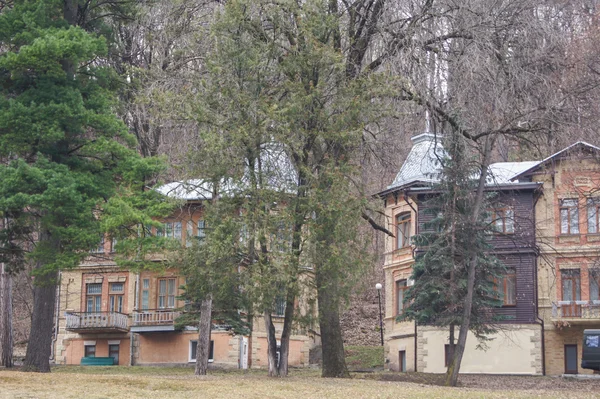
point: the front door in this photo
(570, 359)
(402, 361)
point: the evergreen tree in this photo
(64, 151)
(455, 271)
(282, 79)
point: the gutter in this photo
(487, 188)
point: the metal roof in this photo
(543, 161)
(504, 172)
(277, 168)
(422, 164)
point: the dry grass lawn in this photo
(172, 383)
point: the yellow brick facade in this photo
(573, 177)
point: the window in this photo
(594, 284)
(280, 305)
(400, 288)
(100, 248)
(571, 285)
(115, 297)
(93, 297)
(593, 206)
(571, 292)
(194, 351)
(244, 234)
(569, 216)
(189, 233)
(170, 229)
(504, 221)
(201, 233)
(447, 355)
(501, 220)
(89, 350)
(166, 293)
(403, 230)
(113, 351)
(507, 288)
(145, 293)
(177, 230)
(282, 237)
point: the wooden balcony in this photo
(576, 312)
(154, 320)
(97, 322)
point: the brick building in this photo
(105, 311)
(549, 240)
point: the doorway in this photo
(570, 359)
(402, 361)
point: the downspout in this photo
(537, 316)
(413, 255)
(135, 308)
(416, 347)
(537, 305)
(56, 315)
(543, 345)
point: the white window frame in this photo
(190, 360)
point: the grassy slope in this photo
(364, 357)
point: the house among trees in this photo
(568, 239)
(132, 316)
(543, 219)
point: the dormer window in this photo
(403, 230)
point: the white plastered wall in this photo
(513, 351)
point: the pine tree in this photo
(64, 151)
(454, 270)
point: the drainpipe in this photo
(537, 299)
(135, 308)
(416, 346)
(135, 292)
(543, 345)
(56, 314)
(541, 321)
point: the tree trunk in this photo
(6, 327)
(334, 361)
(454, 368)
(284, 350)
(459, 349)
(37, 357)
(204, 330)
(451, 344)
(271, 345)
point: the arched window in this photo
(403, 230)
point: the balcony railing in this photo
(97, 321)
(154, 317)
(576, 310)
